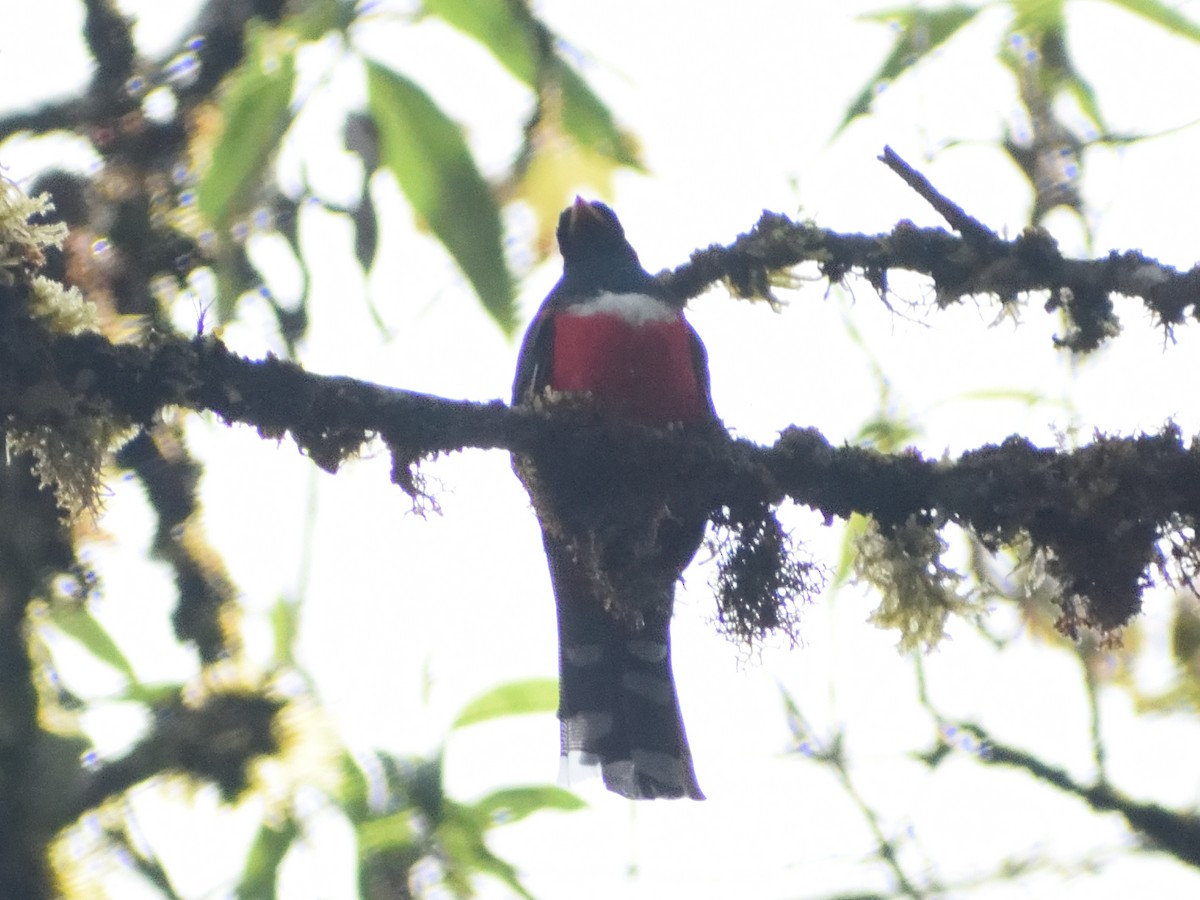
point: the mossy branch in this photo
(1098, 512)
(972, 263)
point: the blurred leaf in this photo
(506, 29)
(313, 19)
(557, 171)
(589, 121)
(886, 432)
(426, 153)
(421, 782)
(387, 832)
(1166, 16)
(255, 113)
(137, 855)
(79, 623)
(521, 44)
(514, 804)
(285, 625)
(260, 874)
(560, 167)
(461, 837)
(919, 32)
(535, 695)
(1183, 694)
(151, 694)
(354, 789)
(366, 233)
(802, 737)
(855, 528)
(1026, 396)
(235, 275)
(1185, 635)
(1038, 15)
(1085, 96)
(361, 138)
(1064, 76)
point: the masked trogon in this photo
(606, 334)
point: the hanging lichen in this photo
(918, 591)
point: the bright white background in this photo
(406, 618)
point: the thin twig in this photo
(966, 225)
(1099, 754)
(830, 752)
(1175, 832)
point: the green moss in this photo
(68, 446)
(918, 591)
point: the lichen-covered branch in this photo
(972, 263)
(1098, 512)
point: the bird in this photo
(607, 335)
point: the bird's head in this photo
(594, 249)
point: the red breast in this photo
(633, 354)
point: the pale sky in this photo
(734, 103)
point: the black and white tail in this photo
(617, 701)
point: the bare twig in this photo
(829, 752)
(1174, 832)
(968, 226)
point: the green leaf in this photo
(803, 740)
(151, 694)
(887, 432)
(1185, 635)
(1085, 96)
(429, 158)
(461, 837)
(515, 698)
(919, 32)
(1164, 15)
(506, 29)
(589, 121)
(313, 19)
(387, 832)
(521, 44)
(856, 527)
(78, 622)
(424, 785)
(255, 114)
(261, 871)
(514, 804)
(285, 625)
(355, 790)
(1038, 15)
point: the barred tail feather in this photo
(619, 708)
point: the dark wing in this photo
(700, 364)
(533, 363)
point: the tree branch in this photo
(1176, 833)
(1098, 511)
(976, 263)
(968, 226)
(214, 40)
(214, 739)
